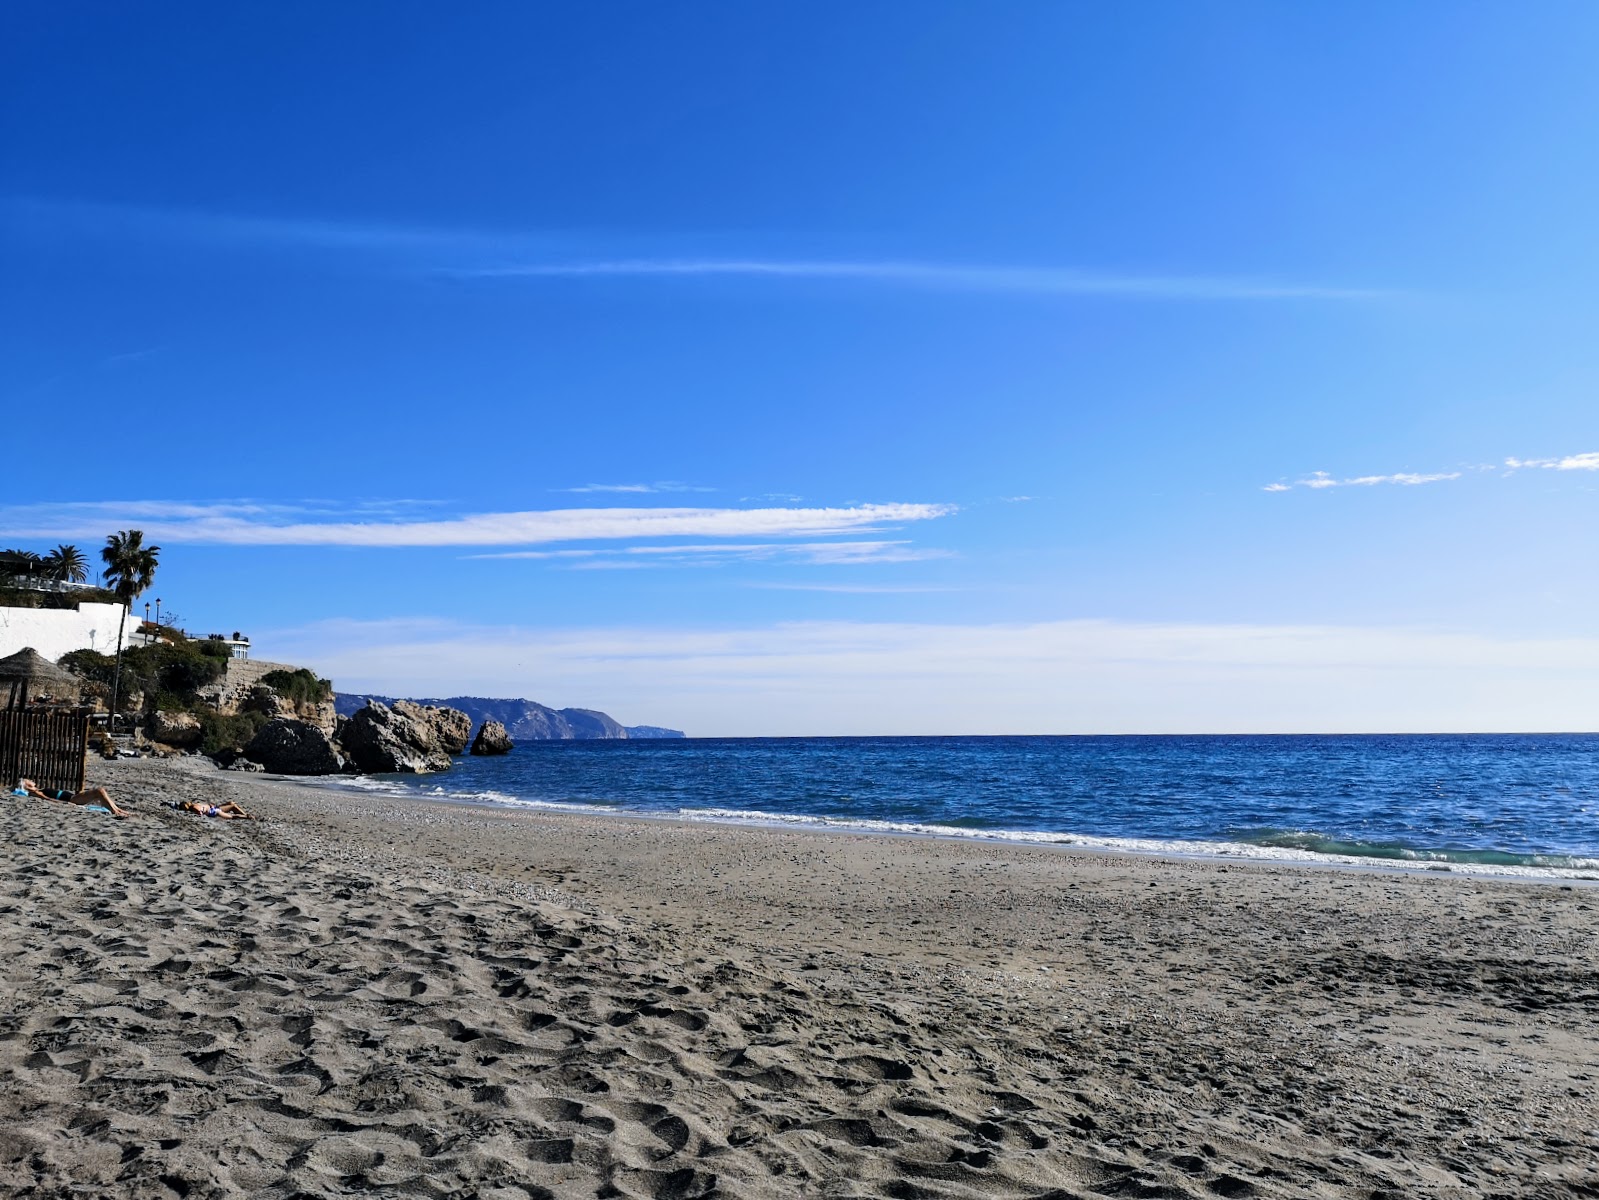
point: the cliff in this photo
(525, 720)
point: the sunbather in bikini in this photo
(96, 799)
(226, 811)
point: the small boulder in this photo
(179, 729)
(289, 747)
(492, 739)
(244, 764)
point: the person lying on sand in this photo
(226, 811)
(95, 799)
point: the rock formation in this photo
(492, 739)
(262, 699)
(178, 729)
(404, 738)
(290, 747)
(452, 728)
(240, 689)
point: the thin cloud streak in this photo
(632, 488)
(119, 222)
(1321, 480)
(852, 589)
(482, 254)
(1042, 281)
(817, 553)
(237, 525)
(1571, 462)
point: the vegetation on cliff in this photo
(168, 672)
(299, 686)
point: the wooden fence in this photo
(48, 746)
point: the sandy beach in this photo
(361, 994)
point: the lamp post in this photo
(146, 612)
(158, 612)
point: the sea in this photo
(1510, 804)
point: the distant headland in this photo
(524, 720)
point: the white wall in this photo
(54, 631)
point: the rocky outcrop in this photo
(492, 739)
(262, 699)
(286, 746)
(452, 728)
(179, 729)
(239, 690)
(405, 738)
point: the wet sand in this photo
(366, 994)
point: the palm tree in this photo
(67, 564)
(129, 569)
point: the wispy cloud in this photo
(131, 356)
(120, 222)
(844, 553)
(1319, 480)
(1023, 280)
(852, 589)
(639, 489)
(243, 524)
(566, 255)
(1571, 462)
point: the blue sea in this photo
(1514, 804)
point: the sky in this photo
(829, 368)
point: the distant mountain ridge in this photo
(524, 720)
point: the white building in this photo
(55, 631)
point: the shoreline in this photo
(358, 992)
(1237, 852)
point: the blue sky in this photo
(810, 368)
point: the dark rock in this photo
(289, 747)
(262, 699)
(244, 764)
(492, 739)
(400, 740)
(178, 729)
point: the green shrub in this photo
(180, 667)
(175, 702)
(170, 672)
(299, 686)
(90, 665)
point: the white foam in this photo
(1161, 847)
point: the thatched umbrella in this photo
(27, 668)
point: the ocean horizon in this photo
(1517, 804)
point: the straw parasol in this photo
(27, 668)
